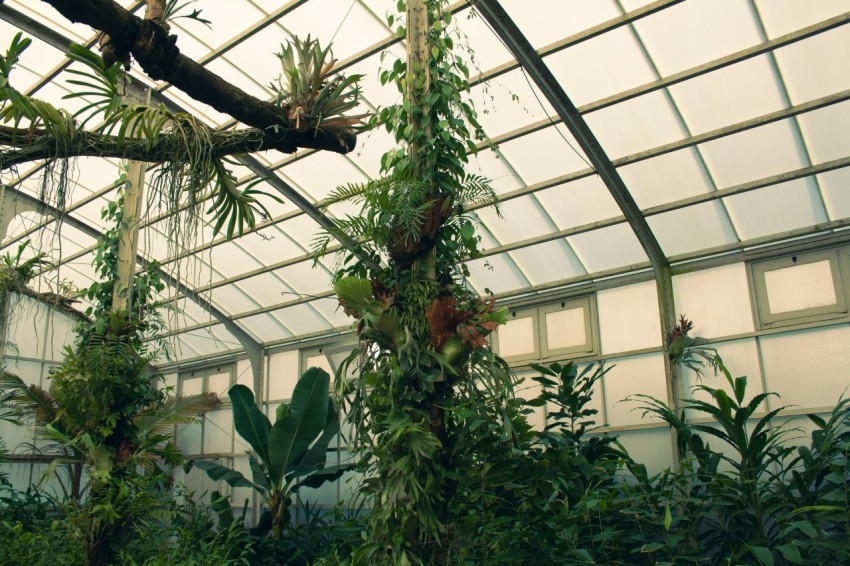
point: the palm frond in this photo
(176, 410)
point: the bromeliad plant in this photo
(287, 455)
(309, 94)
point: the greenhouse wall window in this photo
(216, 380)
(554, 330)
(801, 288)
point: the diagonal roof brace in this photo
(537, 70)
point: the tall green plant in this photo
(287, 455)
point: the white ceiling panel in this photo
(776, 209)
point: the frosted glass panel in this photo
(565, 329)
(653, 448)
(516, 337)
(716, 300)
(320, 361)
(219, 383)
(628, 318)
(800, 287)
(742, 359)
(189, 438)
(630, 376)
(283, 374)
(218, 432)
(193, 386)
(809, 368)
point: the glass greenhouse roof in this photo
(728, 121)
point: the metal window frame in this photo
(765, 319)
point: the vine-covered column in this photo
(421, 329)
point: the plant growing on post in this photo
(287, 455)
(422, 331)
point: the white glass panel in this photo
(547, 262)
(189, 438)
(800, 287)
(811, 68)
(776, 209)
(741, 358)
(808, 368)
(635, 125)
(601, 66)
(240, 494)
(565, 328)
(283, 374)
(579, 202)
(218, 432)
(319, 361)
(835, 194)
(665, 178)
(716, 300)
(652, 448)
(495, 273)
(544, 155)
(517, 337)
(711, 101)
(630, 376)
(608, 248)
(628, 318)
(244, 373)
(541, 31)
(784, 16)
(692, 229)
(827, 132)
(219, 383)
(192, 385)
(691, 33)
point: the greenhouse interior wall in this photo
(780, 318)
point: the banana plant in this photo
(287, 455)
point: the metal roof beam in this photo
(537, 70)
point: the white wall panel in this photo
(716, 300)
(808, 368)
(629, 376)
(653, 448)
(245, 373)
(628, 318)
(189, 438)
(218, 432)
(283, 374)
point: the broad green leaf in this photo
(293, 434)
(217, 472)
(250, 422)
(791, 553)
(763, 555)
(315, 457)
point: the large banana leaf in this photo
(292, 435)
(316, 456)
(217, 472)
(250, 422)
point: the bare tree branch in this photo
(158, 55)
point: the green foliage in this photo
(289, 454)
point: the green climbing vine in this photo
(423, 371)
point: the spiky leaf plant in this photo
(307, 93)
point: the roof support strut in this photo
(530, 60)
